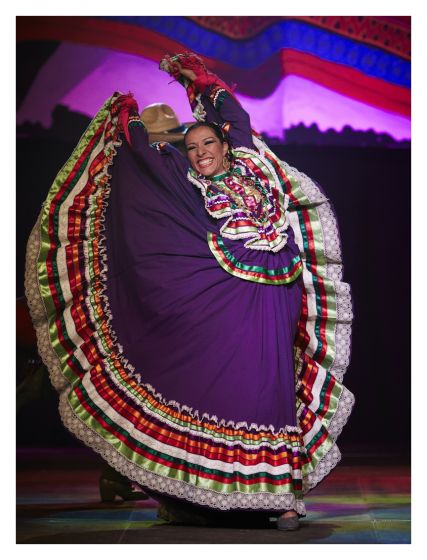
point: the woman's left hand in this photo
(173, 67)
(126, 105)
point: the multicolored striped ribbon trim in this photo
(166, 446)
(228, 262)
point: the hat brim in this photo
(165, 137)
(172, 136)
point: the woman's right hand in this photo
(186, 72)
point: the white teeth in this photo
(205, 162)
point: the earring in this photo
(226, 163)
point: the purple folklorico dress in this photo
(197, 330)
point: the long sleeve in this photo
(222, 107)
(210, 98)
(158, 157)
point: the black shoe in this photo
(288, 523)
(185, 515)
(112, 484)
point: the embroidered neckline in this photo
(218, 177)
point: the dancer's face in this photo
(205, 151)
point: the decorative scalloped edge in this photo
(331, 239)
(342, 413)
(177, 488)
(212, 419)
(323, 468)
(38, 311)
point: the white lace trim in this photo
(344, 310)
(323, 468)
(342, 330)
(220, 423)
(218, 92)
(309, 188)
(176, 488)
(333, 258)
(38, 311)
(342, 413)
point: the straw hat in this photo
(162, 124)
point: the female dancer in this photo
(191, 311)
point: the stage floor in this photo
(364, 500)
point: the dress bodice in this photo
(251, 196)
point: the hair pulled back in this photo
(213, 126)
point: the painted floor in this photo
(364, 502)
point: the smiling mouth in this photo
(205, 162)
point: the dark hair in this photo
(218, 133)
(215, 127)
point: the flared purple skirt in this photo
(197, 334)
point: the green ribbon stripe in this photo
(229, 263)
(334, 398)
(319, 453)
(45, 291)
(163, 470)
(330, 295)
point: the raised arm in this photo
(210, 98)
(156, 156)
